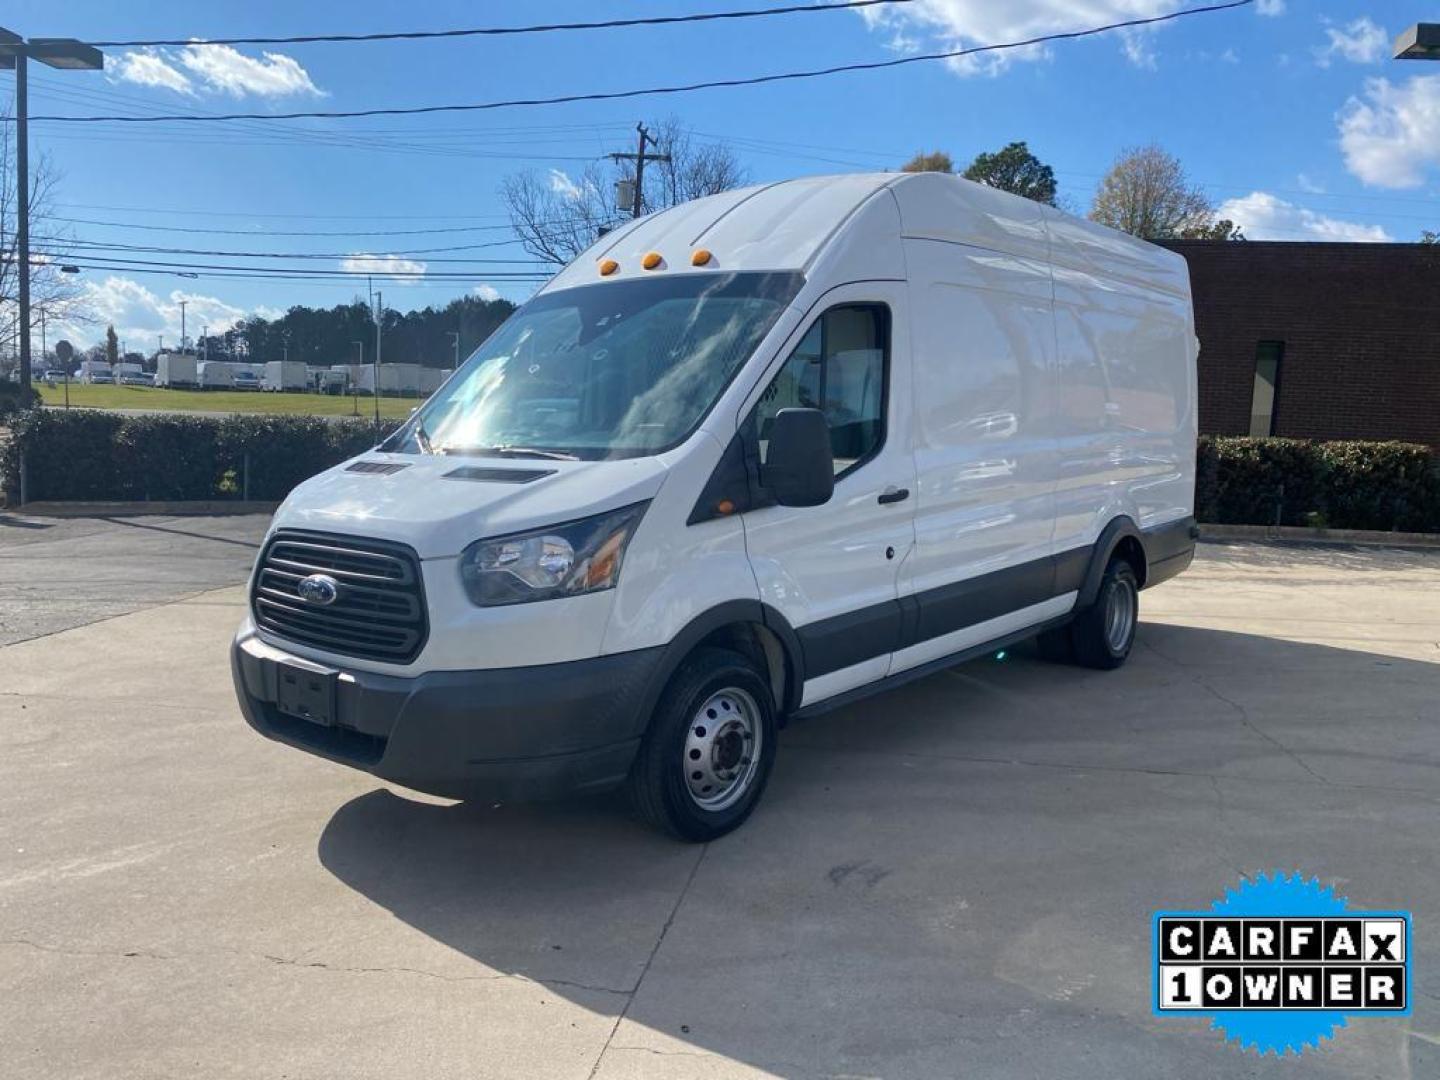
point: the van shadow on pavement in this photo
(957, 876)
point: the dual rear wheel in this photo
(1101, 635)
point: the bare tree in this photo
(52, 293)
(1147, 194)
(557, 215)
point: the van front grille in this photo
(378, 611)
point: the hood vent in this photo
(497, 476)
(379, 468)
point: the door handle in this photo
(893, 495)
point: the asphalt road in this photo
(58, 573)
(954, 879)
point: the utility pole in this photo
(640, 157)
(182, 326)
(379, 310)
(455, 337)
(205, 343)
(355, 379)
(15, 53)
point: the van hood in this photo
(440, 504)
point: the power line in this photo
(616, 95)
(68, 242)
(504, 31)
(288, 232)
(281, 273)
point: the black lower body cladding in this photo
(506, 733)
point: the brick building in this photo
(1317, 341)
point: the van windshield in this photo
(611, 370)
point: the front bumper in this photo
(504, 733)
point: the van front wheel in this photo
(706, 758)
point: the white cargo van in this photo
(743, 461)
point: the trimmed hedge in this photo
(13, 399)
(85, 454)
(1389, 486)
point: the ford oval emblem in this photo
(318, 589)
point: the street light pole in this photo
(455, 337)
(379, 318)
(15, 54)
(22, 209)
(355, 381)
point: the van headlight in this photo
(564, 560)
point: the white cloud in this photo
(1392, 135)
(1262, 216)
(218, 69)
(381, 265)
(486, 292)
(149, 68)
(231, 71)
(1138, 45)
(1304, 183)
(1360, 42)
(561, 184)
(1270, 7)
(140, 316)
(943, 25)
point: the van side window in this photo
(840, 367)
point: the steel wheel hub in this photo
(1120, 607)
(722, 749)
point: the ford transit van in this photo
(745, 460)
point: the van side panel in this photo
(984, 399)
(1125, 423)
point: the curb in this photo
(1319, 536)
(173, 508)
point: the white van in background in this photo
(745, 460)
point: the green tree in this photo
(1147, 194)
(935, 161)
(1428, 237)
(112, 346)
(1016, 170)
(1219, 229)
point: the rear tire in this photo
(706, 757)
(1103, 634)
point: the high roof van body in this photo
(743, 461)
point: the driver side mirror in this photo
(799, 467)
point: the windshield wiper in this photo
(510, 452)
(422, 440)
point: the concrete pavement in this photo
(954, 879)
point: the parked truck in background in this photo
(214, 375)
(284, 376)
(175, 370)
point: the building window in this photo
(1266, 395)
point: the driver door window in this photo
(841, 368)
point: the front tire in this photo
(706, 757)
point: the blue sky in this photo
(1289, 113)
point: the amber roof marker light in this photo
(651, 260)
(608, 267)
(701, 257)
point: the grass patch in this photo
(86, 396)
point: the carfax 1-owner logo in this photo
(1280, 963)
